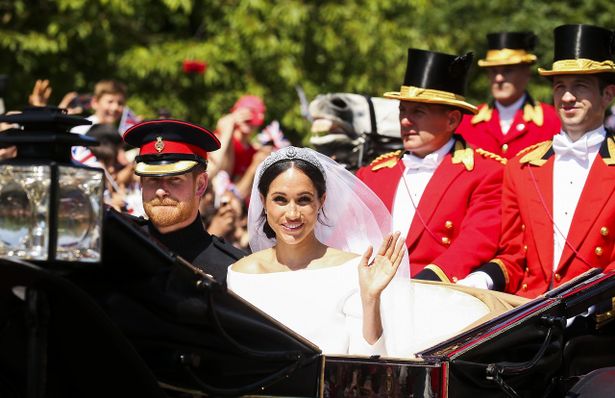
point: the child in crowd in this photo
(108, 104)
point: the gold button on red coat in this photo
(448, 225)
(598, 251)
(604, 231)
(446, 241)
(504, 148)
(524, 287)
(558, 277)
(455, 279)
(524, 248)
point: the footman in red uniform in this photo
(443, 195)
(558, 207)
(513, 120)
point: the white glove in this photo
(479, 279)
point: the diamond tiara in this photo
(292, 153)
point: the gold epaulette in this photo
(386, 160)
(483, 115)
(529, 148)
(462, 153)
(491, 155)
(533, 154)
(610, 142)
(533, 114)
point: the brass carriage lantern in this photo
(51, 208)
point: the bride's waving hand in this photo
(374, 277)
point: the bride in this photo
(308, 219)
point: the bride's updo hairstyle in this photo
(282, 160)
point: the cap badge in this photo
(159, 145)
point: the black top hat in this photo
(582, 49)
(509, 48)
(437, 78)
(169, 147)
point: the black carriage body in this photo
(147, 316)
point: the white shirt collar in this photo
(591, 137)
(508, 112)
(434, 158)
(582, 150)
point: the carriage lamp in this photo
(51, 208)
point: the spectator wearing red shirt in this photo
(238, 156)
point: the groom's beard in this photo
(167, 212)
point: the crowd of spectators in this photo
(245, 143)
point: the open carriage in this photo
(138, 320)
(146, 323)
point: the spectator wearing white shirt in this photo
(108, 104)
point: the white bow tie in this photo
(579, 149)
(428, 163)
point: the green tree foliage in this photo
(257, 46)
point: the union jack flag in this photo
(273, 135)
(84, 156)
(129, 119)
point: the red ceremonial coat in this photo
(460, 208)
(526, 249)
(534, 122)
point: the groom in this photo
(172, 164)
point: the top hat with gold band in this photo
(582, 49)
(169, 147)
(509, 48)
(435, 78)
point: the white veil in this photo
(353, 216)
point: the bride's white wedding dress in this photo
(323, 305)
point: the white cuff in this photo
(478, 279)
